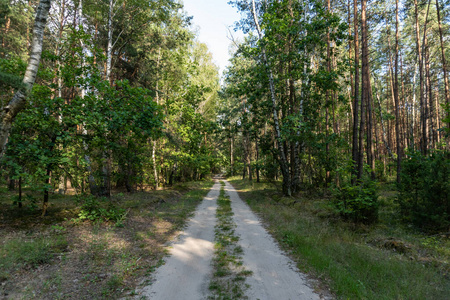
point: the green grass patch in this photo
(381, 261)
(228, 280)
(29, 253)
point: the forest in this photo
(348, 101)
(124, 97)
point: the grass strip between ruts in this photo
(228, 281)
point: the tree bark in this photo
(444, 63)
(364, 88)
(19, 100)
(396, 98)
(426, 114)
(327, 99)
(110, 45)
(355, 148)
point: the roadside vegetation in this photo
(229, 275)
(89, 248)
(386, 260)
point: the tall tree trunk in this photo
(352, 85)
(231, 153)
(364, 87)
(110, 42)
(19, 100)
(249, 157)
(155, 168)
(327, 99)
(370, 147)
(61, 185)
(383, 130)
(421, 80)
(355, 148)
(93, 186)
(282, 156)
(426, 115)
(444, 63)
(396, 98)
(257, 162)
(429, 97)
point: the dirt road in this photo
(187, 272)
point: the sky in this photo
(211, 18)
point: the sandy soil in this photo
(187, 271)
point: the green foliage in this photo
(4, 11)
(29, 201)
(358, 203)
(100, 209)
(424, 191)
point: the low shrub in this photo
(424, 190)
(100, 209)
(358, 203)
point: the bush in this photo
(100, 209)
(424, 190)
(358, 203)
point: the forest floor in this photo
(64, 256)
(386, 260)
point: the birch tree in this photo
(17, 103)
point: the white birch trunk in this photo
(110, 43)
(283, 160)
(19, 100)
(155, 169)
(61, 185)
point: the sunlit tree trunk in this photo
(110, 41)
(19, 100)
(155, 145)
(231, 153)
(444, 63)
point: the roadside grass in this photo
(384, 261)
(63, 256)
(28, 253)
(229, 275)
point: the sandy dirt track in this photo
(187, 272)
(274, 274)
